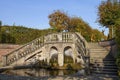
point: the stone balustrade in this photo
(65, 37)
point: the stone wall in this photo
(110, 45)
(6, 48)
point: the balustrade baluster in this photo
(4, 60)
(40, 42)
(67, 37)
(19, 55)
(36, 42)
(27, 52)
(62, 37)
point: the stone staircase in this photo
(101, 61)
(40, 48)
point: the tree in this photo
(108, 12)
(0, 23)
(97, 35)
(78, 25)
(59, 20)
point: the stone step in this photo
(97, 56)
(105, 72)
(93, 44)
(105, 60)
(109, 59)
(95, 47)
(102, 64)
(106, 77)
(97, 50)
(101, 59)
(104, 69)
(107, 64)
(107, 67)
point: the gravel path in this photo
(75, 77)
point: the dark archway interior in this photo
(68, 55)
(53, 55)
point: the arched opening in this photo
(53, 55)
(68, 55)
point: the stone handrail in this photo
(82, 46)
(23, 51)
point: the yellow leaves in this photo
(59, 20)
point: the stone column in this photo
(74, 54)
(17, 55)
(73, 59)
(60, 59)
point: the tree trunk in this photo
(110, 33)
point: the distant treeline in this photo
(20, 34)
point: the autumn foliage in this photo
(60, 21)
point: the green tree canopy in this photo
(78, 25)
(108, 13)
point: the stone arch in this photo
(53, 54)
(68, 55)
(79, 59)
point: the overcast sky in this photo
(34, 13)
